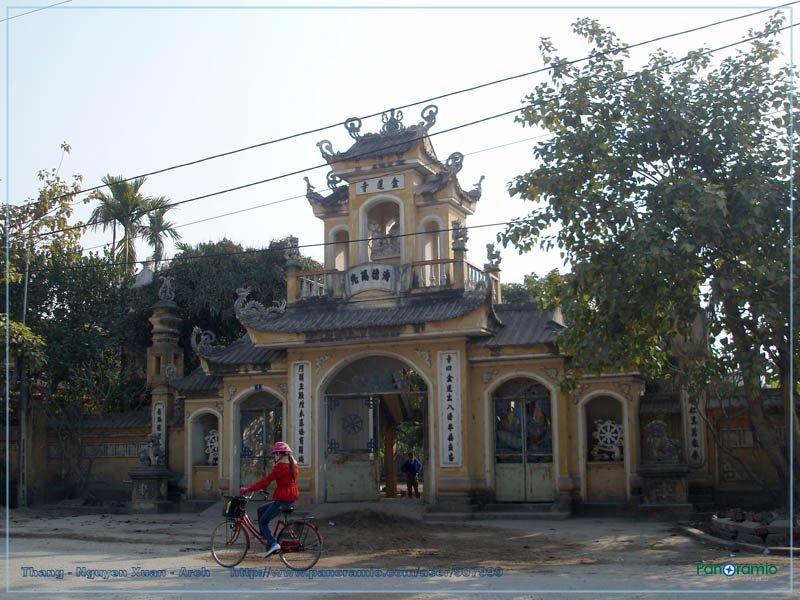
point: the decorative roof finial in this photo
(494, 258)
(475, 193)
(326, 149)
(166, 291)
(392, 121)
(454, 162)
(353, 126)
(429, 116)
(460, 236)
(333, 181)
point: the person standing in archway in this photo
(412, 468)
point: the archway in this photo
(260, 426)
(373, 414)
(523, 441)
(604, 456)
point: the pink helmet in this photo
(281, 447)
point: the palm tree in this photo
(158, 228)
(124, 206)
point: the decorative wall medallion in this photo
(212, 446)
(607, 440)
(231, 391)
(321, 360)
(488, 376)
(284, 388)
(426, 357)
(551, 373)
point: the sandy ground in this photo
(366, 546)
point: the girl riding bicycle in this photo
(285, 473)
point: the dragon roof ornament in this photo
(203, 342)
(251, 312)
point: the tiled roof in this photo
(197, 381)
(521, 325)
(436, 184)
(327, 315)
(242, 352)
(340, 195)
(772, 398)
(373, 145)
(124, 420)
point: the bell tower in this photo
(394, 216)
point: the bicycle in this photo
(300, 539)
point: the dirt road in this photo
(384, 553)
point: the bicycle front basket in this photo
(233, 508)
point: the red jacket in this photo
(287, 486)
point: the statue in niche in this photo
(660, 447)
(385, 246)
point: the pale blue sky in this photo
(134, 88)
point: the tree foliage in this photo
(206, 277)
(670, 189)
(534, 289)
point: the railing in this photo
(427, 275)
(315, 284)
(474, 275)
(432, 273)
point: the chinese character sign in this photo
(695, 428)
(301, 412)
(388, 183)
(375, 276)
(159, 412)
(449, 388)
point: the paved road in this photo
(123, 559)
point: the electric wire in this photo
(448, 130)
(300, 196)
(30, 12)
(445, 95)
(279, 247)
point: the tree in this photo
(532, 289)
(670, 186)
(124, 206)
(35, 232)
(206, 277)
(158, 228)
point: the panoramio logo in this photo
(731, 569)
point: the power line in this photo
(449, 130)
(279, 248)
(34, 10)
(441, 96)
(274, 202)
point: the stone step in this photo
(494, 515)
(534, 507)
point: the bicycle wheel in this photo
(301, 545)
(229, 543)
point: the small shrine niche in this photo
(205, 440)
(606, 434)
(384, 229)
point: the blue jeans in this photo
(267, 512)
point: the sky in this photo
(139, 86)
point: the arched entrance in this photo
(260, 426)
(373, 415)
(523, 442)
(604, 455)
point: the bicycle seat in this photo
(288, 509)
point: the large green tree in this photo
(670, 188)
(206, 276)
